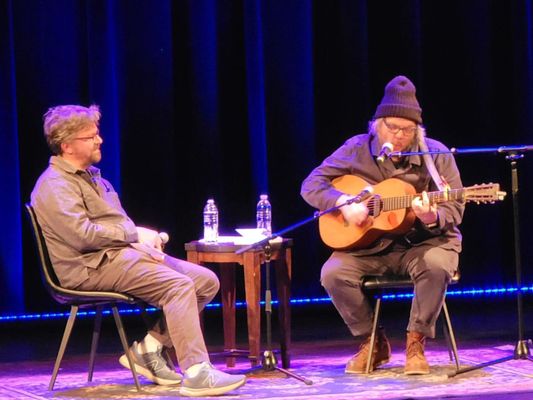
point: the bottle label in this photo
(264, 216)
(210, 225)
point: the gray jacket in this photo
(358, 157)
(83, 222)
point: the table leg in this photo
(192, 256)
(252, 288)
(227, 291)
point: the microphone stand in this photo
(513, 154)
(268, 359)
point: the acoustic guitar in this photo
(390, 210)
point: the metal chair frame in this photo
(379, 284)
(78, 299)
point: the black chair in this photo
(379, 284)
(78, 299)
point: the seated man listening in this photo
(94, 245)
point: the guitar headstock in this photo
(484, 193)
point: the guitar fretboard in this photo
(399, 202)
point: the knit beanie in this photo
(400, 101)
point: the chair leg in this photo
(377, 310)
(122, 334)
(94, 343)
(63, 345)
(451, 334)
(442, 319)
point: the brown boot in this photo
(382, 353)
(416, 363)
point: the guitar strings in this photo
(398, 202)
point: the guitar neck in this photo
(399, 202)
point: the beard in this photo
(96, 156)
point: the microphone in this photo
(364, 194)
(385, 151)
(164, 237)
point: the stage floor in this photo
(321, 346)
(323, 363)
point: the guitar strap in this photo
(430, 165)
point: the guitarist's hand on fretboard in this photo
(424, 210)
(356, 213)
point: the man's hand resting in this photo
(149, 237)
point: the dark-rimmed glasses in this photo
(395, 129)
(86, 138)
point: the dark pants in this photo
(430, 267)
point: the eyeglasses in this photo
(87, 138)
(395, 129)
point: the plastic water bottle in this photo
(264, 214)
(211, 222)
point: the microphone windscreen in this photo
(164, 237)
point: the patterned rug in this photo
(323, 364)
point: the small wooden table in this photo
(251, 260)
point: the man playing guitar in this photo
(426, 247)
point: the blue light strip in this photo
(317, 300)
(468, 293)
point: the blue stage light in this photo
(473, 292)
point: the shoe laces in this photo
(415, 348)
(364, 348)
(207, 365)
(194, 370)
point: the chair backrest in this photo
(48, 275)
(51, 282)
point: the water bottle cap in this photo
(210, 200)
(263, 196)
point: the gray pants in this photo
(179, 288)
(431, 269)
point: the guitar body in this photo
(341, 235)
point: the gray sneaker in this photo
(152, 366)
(210, 382)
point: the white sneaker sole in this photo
(189, 392)
(123, 360)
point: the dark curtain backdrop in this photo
(230, 98)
